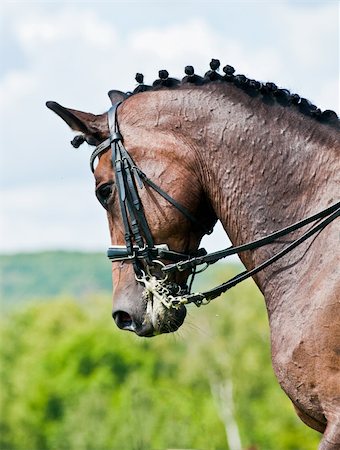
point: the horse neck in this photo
(263, 170)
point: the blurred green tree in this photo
(69, 380)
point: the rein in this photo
(140, 247)
(328, 215)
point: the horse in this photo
(254, 156)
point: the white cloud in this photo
(310, 32)
(309, 53)
(190, 39)
(66, 26)
(54, 215)
(15, 86)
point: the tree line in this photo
(70, 380)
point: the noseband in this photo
(147, 257)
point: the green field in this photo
(70, 380)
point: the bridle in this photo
(147, 258)
(139, 243)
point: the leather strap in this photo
(218, 290)
(119, 253)
(213, 257)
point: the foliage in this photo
(28, 276)
(70, 380)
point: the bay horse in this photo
(257, 158)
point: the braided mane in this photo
(268, 91)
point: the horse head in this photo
(154, 147)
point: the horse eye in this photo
(103, 194)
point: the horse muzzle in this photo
(155, 320)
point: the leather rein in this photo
(147, 257)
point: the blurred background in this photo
(69, 380)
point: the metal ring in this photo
(140, 280)
(203, 269)
(157, 261)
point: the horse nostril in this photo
(123, 320)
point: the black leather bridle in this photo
(141, 250)
(139, 243)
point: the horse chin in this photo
(160, 320)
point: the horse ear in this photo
(116, 96)
(89, 124)
(77, 120)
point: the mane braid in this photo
(269, 91)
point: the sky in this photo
(74, 52)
